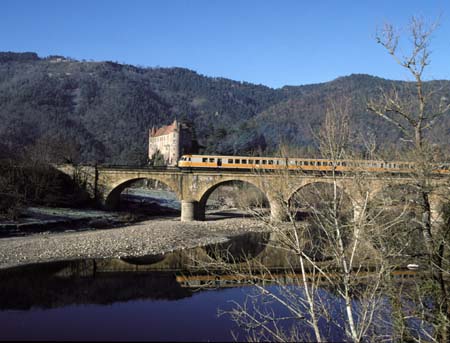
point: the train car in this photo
(231, 162)
(301, 164)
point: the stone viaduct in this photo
(193, 188)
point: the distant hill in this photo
(105, 109)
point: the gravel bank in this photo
(146, 238)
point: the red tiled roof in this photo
(165, 130)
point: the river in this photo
(165, 297)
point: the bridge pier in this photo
(189, 210)
(278, 212)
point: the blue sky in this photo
(274, 43)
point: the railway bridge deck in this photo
(193, 187)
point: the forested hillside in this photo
(101, 111)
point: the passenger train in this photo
(300, 164)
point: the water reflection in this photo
(239, 248)
(170, 276)
(143, 260)
(79, 282)
(105, 281)
(157, 297)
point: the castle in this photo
(172, 141)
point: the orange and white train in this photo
(300, 164)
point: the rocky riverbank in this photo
(156, 236)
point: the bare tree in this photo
(414, 109)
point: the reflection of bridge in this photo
(194, 268)
(193, 188)
(283, 277)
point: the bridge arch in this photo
(204, 196)
(112, 198)
(320, 192)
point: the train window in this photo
(189, 159)
(270, 161)
(237, 161)
(204, 159)
(230, 160)
(319, 163)
(264, 162)
(244, 161)
(344, 164)
(256, 161)
(306, 163)
(211, 159)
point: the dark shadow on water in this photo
(144, 260)
(62, 284)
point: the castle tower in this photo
(171, 141)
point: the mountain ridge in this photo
(105, 108)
